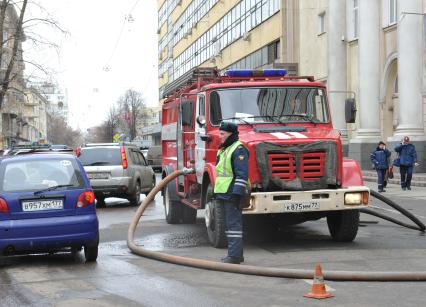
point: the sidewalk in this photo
(419, 179)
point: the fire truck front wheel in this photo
(343, 225)
(172, 209)
(214, 216)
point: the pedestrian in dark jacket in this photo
(380, 159)
(407, 159)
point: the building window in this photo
(226, 31)
(390, 12)
(321, 23)
(355, 19)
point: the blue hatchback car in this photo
(46, 205)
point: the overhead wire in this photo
(117, 42)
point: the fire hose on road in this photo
(269, 271)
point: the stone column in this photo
(368, 132)
(337, 66)
(410, 61)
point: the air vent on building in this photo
(214, 39)
(158, 31)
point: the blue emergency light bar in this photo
(248, 73)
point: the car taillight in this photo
(4, 208)
(123, 157)
(85, 199)
(78, 152)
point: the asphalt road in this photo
(122, 279)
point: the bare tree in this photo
(12, 28)
(111, 123)
(58, 132)
(131, 106)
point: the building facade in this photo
(12, 121)
(56, 96)
(370, 50)
(35, 114)
(150, 127)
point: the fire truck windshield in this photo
(269, 105)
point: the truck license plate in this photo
(302, 206)
(40, 205)
(98, 175)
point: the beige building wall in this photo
(313, 41)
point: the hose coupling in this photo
(187, 171)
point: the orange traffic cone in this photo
(318, 287)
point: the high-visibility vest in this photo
(224, 173)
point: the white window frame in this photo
(390, 13)
(355, 19)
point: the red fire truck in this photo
(296, 165)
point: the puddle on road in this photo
(163, 241)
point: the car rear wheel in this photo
(135, 199)
(214, 216)
(172, 209)
(91, 253)
(343, 225)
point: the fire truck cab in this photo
(296, 166)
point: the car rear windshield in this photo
(98, 156)
(37, 174)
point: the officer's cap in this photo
(228, 126)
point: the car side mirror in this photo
(350, 110)
(201, 120)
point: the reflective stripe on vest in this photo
(224, 173)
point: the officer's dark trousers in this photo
(234, 228)
(406, 175)
(381, 173)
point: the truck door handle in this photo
(205, 137)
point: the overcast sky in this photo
(103, 55)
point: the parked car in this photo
(46, 205)
(154, 157)
(117, 170)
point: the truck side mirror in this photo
(350, 110)
(201, 120)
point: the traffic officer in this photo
(231, 184)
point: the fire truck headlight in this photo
(353, 198)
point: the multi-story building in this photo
(11, 118)
(150, 126)
(35, 115)
(372, 50)
(56, 96)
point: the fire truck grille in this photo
(298, 167)
(312, 166)
(283, 166)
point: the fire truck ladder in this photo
(190, 77)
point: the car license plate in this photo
(40, 205)
(302, 206)
(98, 175)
